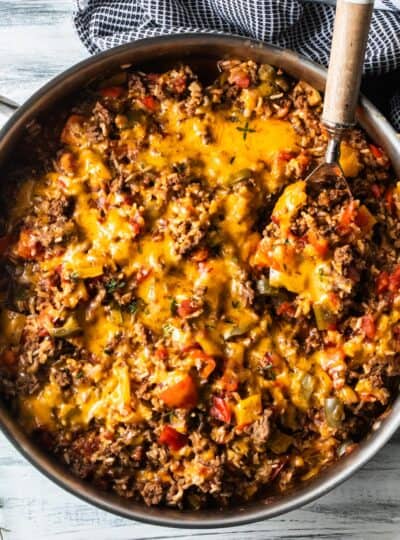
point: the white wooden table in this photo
(37, 41)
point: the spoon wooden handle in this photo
(349, 42)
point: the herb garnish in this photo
(113, 285)
(245, 129)
(133, 307)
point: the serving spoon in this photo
(350, 34)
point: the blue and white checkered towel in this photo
(302, 25)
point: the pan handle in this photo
(7, 106)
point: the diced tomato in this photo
(229, 381)
(204, 362)
(376, 190)
(200, 255)
(150, 103)
(28, 246)
(172, 438)
(4, 243)
(303, 161)
(161, 353)
(43, 332)
(286, 308)
(180, 84)
(347, 218)
(275, 219)
(320, 245)
(187, 308)
(394, 280)
(334, 301)
(182, 394)
(382, 282)
(137, 224)
(388, 282)
(142, 274)
(112, 91)
(128, 199)
(389, 200)
(240, 78)
(377, 152)
(136, 228)
(283, 155)
(368, 326)
(221, 410)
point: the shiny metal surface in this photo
(7, 106)
(195, 48)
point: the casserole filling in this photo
(182, 322)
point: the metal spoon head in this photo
(327, 177)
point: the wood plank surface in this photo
(37, 41)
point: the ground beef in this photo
(186, 322)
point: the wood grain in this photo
(365, 507)
(37, 41)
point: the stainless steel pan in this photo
(201, 50)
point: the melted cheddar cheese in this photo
(171, 287)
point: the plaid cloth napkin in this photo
(302, 25)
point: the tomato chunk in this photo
(286, 308)
(388, 282)
(376, 152)
(394, 280)
(229, 381)
(382, 282)
(161, 353)
(28, 246)
(389, 200)
(182, 394)
(319, 244)
(347, 218)
(200, 255)
(187, 308)
(221, 410)
(368, 326)
(284, 155)
(150, 103)
(112, 91)
(172, 438)
(376, 190)
(240, 78)
(203, 361)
